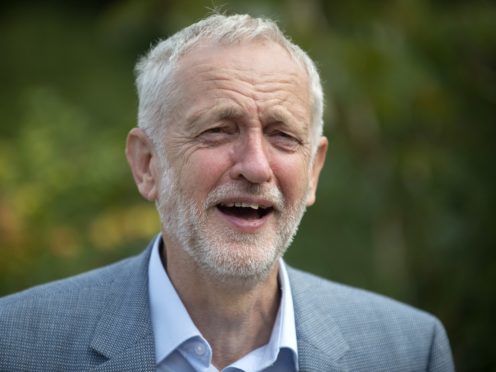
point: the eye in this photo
(284, 135)
(218, 130)
(215, 130)
(285, 140)
(216, 134)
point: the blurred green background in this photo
(407, 196)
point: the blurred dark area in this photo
(407, 195)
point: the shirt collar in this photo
(172, 324)
(283, 334)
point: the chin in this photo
(237, 263)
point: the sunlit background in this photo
(406, 199)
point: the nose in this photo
(250, 160)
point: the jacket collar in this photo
(123, 334)
(321, 344)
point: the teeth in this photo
(243, 205)
(246, 205)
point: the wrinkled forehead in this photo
(253, 63)
(261, 55)
(262, 72)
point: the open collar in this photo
(124, 335)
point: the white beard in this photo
(224, 254)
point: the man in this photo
(229, 146)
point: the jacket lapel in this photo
(136, 358)
(321, 344)
(124, 332)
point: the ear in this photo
(141, 157)
(318, 163)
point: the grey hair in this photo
(154, 71)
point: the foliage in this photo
(406, 197)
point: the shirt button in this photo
(199, 349)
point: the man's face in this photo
(236, 174)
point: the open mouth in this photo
(244, 210)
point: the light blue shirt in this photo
(179, 345)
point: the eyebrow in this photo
(214, 114)
(282, 115)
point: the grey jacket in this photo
(100, 321)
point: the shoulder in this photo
(345, 301)
(383, 330)
(91, 284)
(54, 322)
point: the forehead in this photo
(260, 54)
(259, 72)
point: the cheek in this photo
(292, 178)
(203, 171)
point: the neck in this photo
(234, 318)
